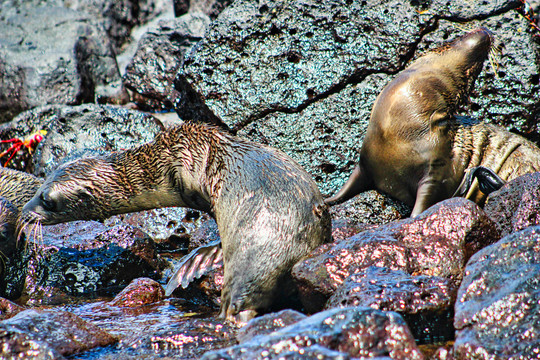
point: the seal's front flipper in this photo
(195, 264)
(488, 181)
(357, 183)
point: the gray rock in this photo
(159, 55)
(212, 8)
(302, 76)
(348, 332)
(54, 55)
(498, 305)
(118, 16)
(72, 129)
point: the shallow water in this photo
(170, 328)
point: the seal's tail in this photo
(195, 264)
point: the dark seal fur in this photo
(269, 211)
(16, 188)
(417, 150)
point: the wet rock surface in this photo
(169, 328)
(139, 292)
(438, 242)
(498, 308)
(87, 259)
(516, 205)
(8, 309)
(62, 331)
(425, 302)
(354, 332)
(268, 323)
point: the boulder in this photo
(73, 131)
(438, 242)
(50, 331)
(160, 53)
(516, 205)
(55, 55)
(355, 332)
(498, 305)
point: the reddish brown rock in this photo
(516, 205)
(425, 302)
(333, 334)
(65, 332)
(394, 290)
(264, 325)
(498, 304)
(139, 292)
(8, 309)
(438, 242)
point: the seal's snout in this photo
(477, 41)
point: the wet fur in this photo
(269, 211)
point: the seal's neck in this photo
(178, 168)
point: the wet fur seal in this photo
(269, 211)
(16, 188)
(416, 149)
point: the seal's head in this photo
(75, 191)
(460, 60)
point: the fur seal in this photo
(16, 188)
(269, 211)
(417, 150)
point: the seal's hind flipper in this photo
(195, 264)
(488, 181)
(357, 183)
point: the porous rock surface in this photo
(354, 332)
(159, 55)
(516, 205)
(425, 302)
(498, 305)
(314, 68)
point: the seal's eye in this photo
(46, 202)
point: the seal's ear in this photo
(439, 119)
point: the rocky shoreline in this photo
(457, 282)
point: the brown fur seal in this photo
(417, 150)
(269, 211)
(16, 188)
